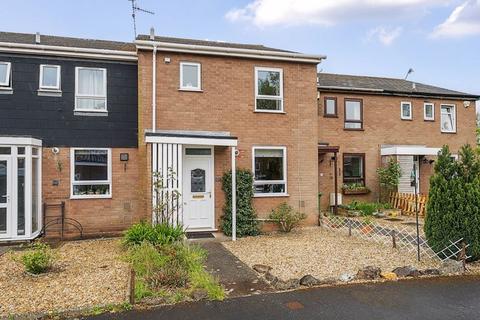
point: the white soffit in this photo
(409, 151)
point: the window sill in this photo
(49, 93)
(406, 119)
(90, 113)
(5, 90)
(190, 90)
(352, 129)
(330, 116)
(270, 195)
(269, 111)
(429, 120)
(449, 132)
(91, 196)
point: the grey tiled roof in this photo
(385, 85)
(211, 43)
(27, 38)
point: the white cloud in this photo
(463, 21)
(385, 35)
(265, 13)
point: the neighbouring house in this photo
(366, 120)
(68, 116)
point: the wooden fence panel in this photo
(406, 203)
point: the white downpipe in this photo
(234, 196)
(154, 88)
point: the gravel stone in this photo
(406, 271)
(309, 281)
(451, 267)
(368, 273)
(261, 268)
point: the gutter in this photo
(231, 52)
(401, 94)
(106, 54)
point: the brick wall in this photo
(383, 125)
(97, 216)
(227, 103)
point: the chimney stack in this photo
(37, 38)
(152, 33)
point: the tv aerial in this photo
(135, 9)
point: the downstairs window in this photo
(270, 172)
(91, 173)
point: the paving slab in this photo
(236, 277)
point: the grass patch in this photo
(173, 272)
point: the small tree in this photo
(453, 208)
(247, 224)
(286, 217)
(389, 178)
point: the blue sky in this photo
(439, 39)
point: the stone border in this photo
(369, 273)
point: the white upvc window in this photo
(50, 77)
(270, 171)
(5, 74)
(91, 173)
(429, 111)
(268, 89)
(448, 121)
(190, 76)
(90, 89)
(406, 110)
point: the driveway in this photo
(434, 298)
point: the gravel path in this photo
(319, 252)
(85, 274)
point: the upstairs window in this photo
(406, 111)
(91, 173)
(353, 114)
(49, 77)
(354, 169)
(330, 107)
(269, 167)
(268, 89)
(190, 76)
(428, 111)
(90, 89)
(448, 118)
(5, 72)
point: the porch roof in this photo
(208, 138)
(409, 151)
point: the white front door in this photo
(5, 203)
(198, 197)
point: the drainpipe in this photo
(154, 88)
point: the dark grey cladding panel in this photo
(53, 120)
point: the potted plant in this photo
(367, 228)
(354, 188)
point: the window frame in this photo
(401, 110)
(454, 117)
(364, 178)
(266, 97)
(91, 182)
(345, 120)
(199, 76)
(330, 115)
(77, 95)
(261, 182)
(7, 83)
(425, 117)
(59, 79)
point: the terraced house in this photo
(87, 127)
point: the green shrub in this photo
(389, 178)
(38, 259)
(247, 224)
(367, 208)
(453, 208)
(286, 218)
(159, 234)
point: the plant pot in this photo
(367, 229)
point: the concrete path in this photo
(439, 299)
(236, 277)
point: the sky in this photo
(439, 39)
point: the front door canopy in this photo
(409, 151)
(204, 138)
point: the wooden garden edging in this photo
(406, 203)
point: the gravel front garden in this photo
(320, 253)
(85, 274)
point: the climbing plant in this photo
(247, 223)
